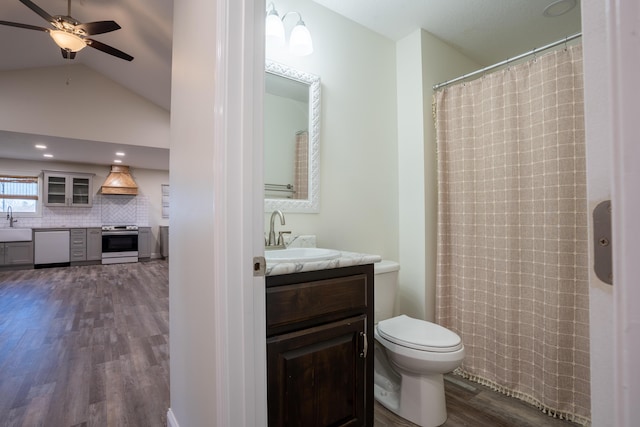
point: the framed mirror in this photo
(291, 139)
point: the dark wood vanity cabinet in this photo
(320, 348)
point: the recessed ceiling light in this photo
(48, 155)
(41, 146)
(117, 161)
(559, 7)
(119, 153)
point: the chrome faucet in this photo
(272, 233)
(10, 216)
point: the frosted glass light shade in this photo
(67, 41)
(274, 29)
(300, 42)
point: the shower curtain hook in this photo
(565, 43)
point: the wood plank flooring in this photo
(85, 346)
(473, 405)
(89, 346)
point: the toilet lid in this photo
(419, 334)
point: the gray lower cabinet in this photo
(94, 244)
(164, 240)
(85, 244)
(77, 244)
(16, 253)
(144, 242)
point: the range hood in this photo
(119, 181)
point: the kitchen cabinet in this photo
(320, 347)
(16, 253)
(94, 244)
(68, 189)
(77, 244)
(164, 241)
(144, 242)
(85, 244)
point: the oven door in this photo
(119, 243)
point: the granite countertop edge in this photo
(345, 259)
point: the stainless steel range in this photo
(119, 244)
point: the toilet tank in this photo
(385, 284)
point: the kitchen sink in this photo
(15, 235)
(300, 254)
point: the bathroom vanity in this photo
(320, 344)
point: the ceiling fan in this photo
(71, 35)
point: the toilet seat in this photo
(419, 334)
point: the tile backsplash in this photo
(106, 210)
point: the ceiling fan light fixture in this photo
(67, 41)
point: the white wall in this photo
(422, 61)
(192, 294)
(358, 148)
(92, 107)
(148, 201)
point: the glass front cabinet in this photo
(68, 189)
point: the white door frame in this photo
(238, 109)
(623, 27)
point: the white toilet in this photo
(411, 356)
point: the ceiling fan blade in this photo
(67, 54)
(108, 49)
(37, 9)
(99, 27)
(26, 26)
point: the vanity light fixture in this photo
(300, 42)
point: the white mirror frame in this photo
(312, 204)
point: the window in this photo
(20, 193)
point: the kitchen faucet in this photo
(10, 216)
(272, 233)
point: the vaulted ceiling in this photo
(486, 31)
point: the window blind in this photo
(18, 187)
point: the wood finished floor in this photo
(474, 405)
(88, 346)
(85, 346)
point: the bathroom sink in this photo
(300, 254)
(15, 235)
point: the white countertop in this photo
(345, 259)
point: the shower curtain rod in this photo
(507, 61)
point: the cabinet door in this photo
(2, 252)
(94, 244)
(55, 190)
(316, 377)
(144, 242)
(17, 253)
(80, 191)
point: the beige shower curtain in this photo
(301, 169)
(512, 273)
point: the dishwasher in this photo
(51, 248)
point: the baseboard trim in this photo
(171, 419)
